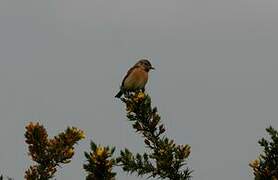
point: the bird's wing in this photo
(127, 74)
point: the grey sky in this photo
(215, 86)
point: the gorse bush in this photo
(164, 159)
(49, 153)
(100, 163)
(266, 166)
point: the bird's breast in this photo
(137, 79)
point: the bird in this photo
(136, 78)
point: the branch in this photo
(99, 163)
(49, 153)
(166, 159)
(266, 166)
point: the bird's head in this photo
(145, 64)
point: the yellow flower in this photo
(100, 151)
(70, 152)
(140, 95)
(186, 150)
(79, 132)
(254, 163)
(82, 134)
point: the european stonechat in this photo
(136, 77)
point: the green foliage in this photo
(49, 153)
(99, 163)
(166, 159)
(138, 163)
(266, 166)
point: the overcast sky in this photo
(215, 83)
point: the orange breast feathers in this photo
(136, 79)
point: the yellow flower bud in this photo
(254, 163)
(82, 135)
(140, 95)
(70, 152)
(100, 151)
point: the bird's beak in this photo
(152, 68)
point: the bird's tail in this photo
(120, 93)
